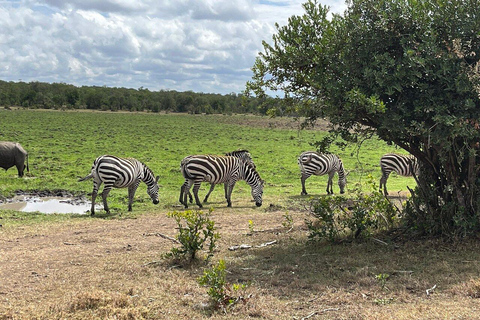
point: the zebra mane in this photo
(236, 152)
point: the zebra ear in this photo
(157, 178)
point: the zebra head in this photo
(152, 190)
(342, 178)
(256, 183)
(257, 192)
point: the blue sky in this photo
(198, 45)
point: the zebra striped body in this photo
(314, 163)
(116, 172)
(243, 155)
(218, 169)
(404, 165)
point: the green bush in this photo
(195, 230)
(219, 291)
(361, 215)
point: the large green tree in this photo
(406, 70)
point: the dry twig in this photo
(161, 235)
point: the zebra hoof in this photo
(303, 193)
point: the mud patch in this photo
(48, 202)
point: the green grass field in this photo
(63, 145)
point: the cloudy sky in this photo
(200, 45)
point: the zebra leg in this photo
(212, 186)
(196, 187)
(304, 191)
(184, 191)
(383, 182)
(229, 192)
(106, 191)
(131, 193)
(94, 196)
(330, 182)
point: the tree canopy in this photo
(406, 70)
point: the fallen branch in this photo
(247, 246)
(242, 246)
(430, 290)
(266, 244)
(150, 263)
(161, 235)
(380, 241)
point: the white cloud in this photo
(198, 45)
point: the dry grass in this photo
(101, 269)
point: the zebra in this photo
(120, 173)
(311, 162)
(404, 165)
(218, 169)
(243, 155)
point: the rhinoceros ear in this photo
(157, 178)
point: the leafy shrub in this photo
(361, 215)
(219, 291)
(195, 229)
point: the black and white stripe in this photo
(117, 172)
(314, 163)
(404, 165)
(218, 169)
(243, 155)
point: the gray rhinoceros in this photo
(13, 154)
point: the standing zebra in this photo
(243, 155)
(218, 169)
(311, 162)
(404, 165)
(120, 173)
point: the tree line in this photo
(66, 96)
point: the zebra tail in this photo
(90, 176)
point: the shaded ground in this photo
(90, 268)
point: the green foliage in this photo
(404, 70)
(251, 226)
(288, 221)
(220, 291)
(361, 215)
(382, 279)
(195, 230)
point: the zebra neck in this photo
(147, 176)
(249, 175)
(341, 171)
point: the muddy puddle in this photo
(48, 204)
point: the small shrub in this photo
(195, 230)
(220, 292)
(361, 215)
(288, 222)
(326, 210)
(382, 279)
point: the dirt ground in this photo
(95, 268)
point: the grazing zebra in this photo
(243, 155)
(218, 169)
(120, 173)
(404, 165)
(311, 162)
